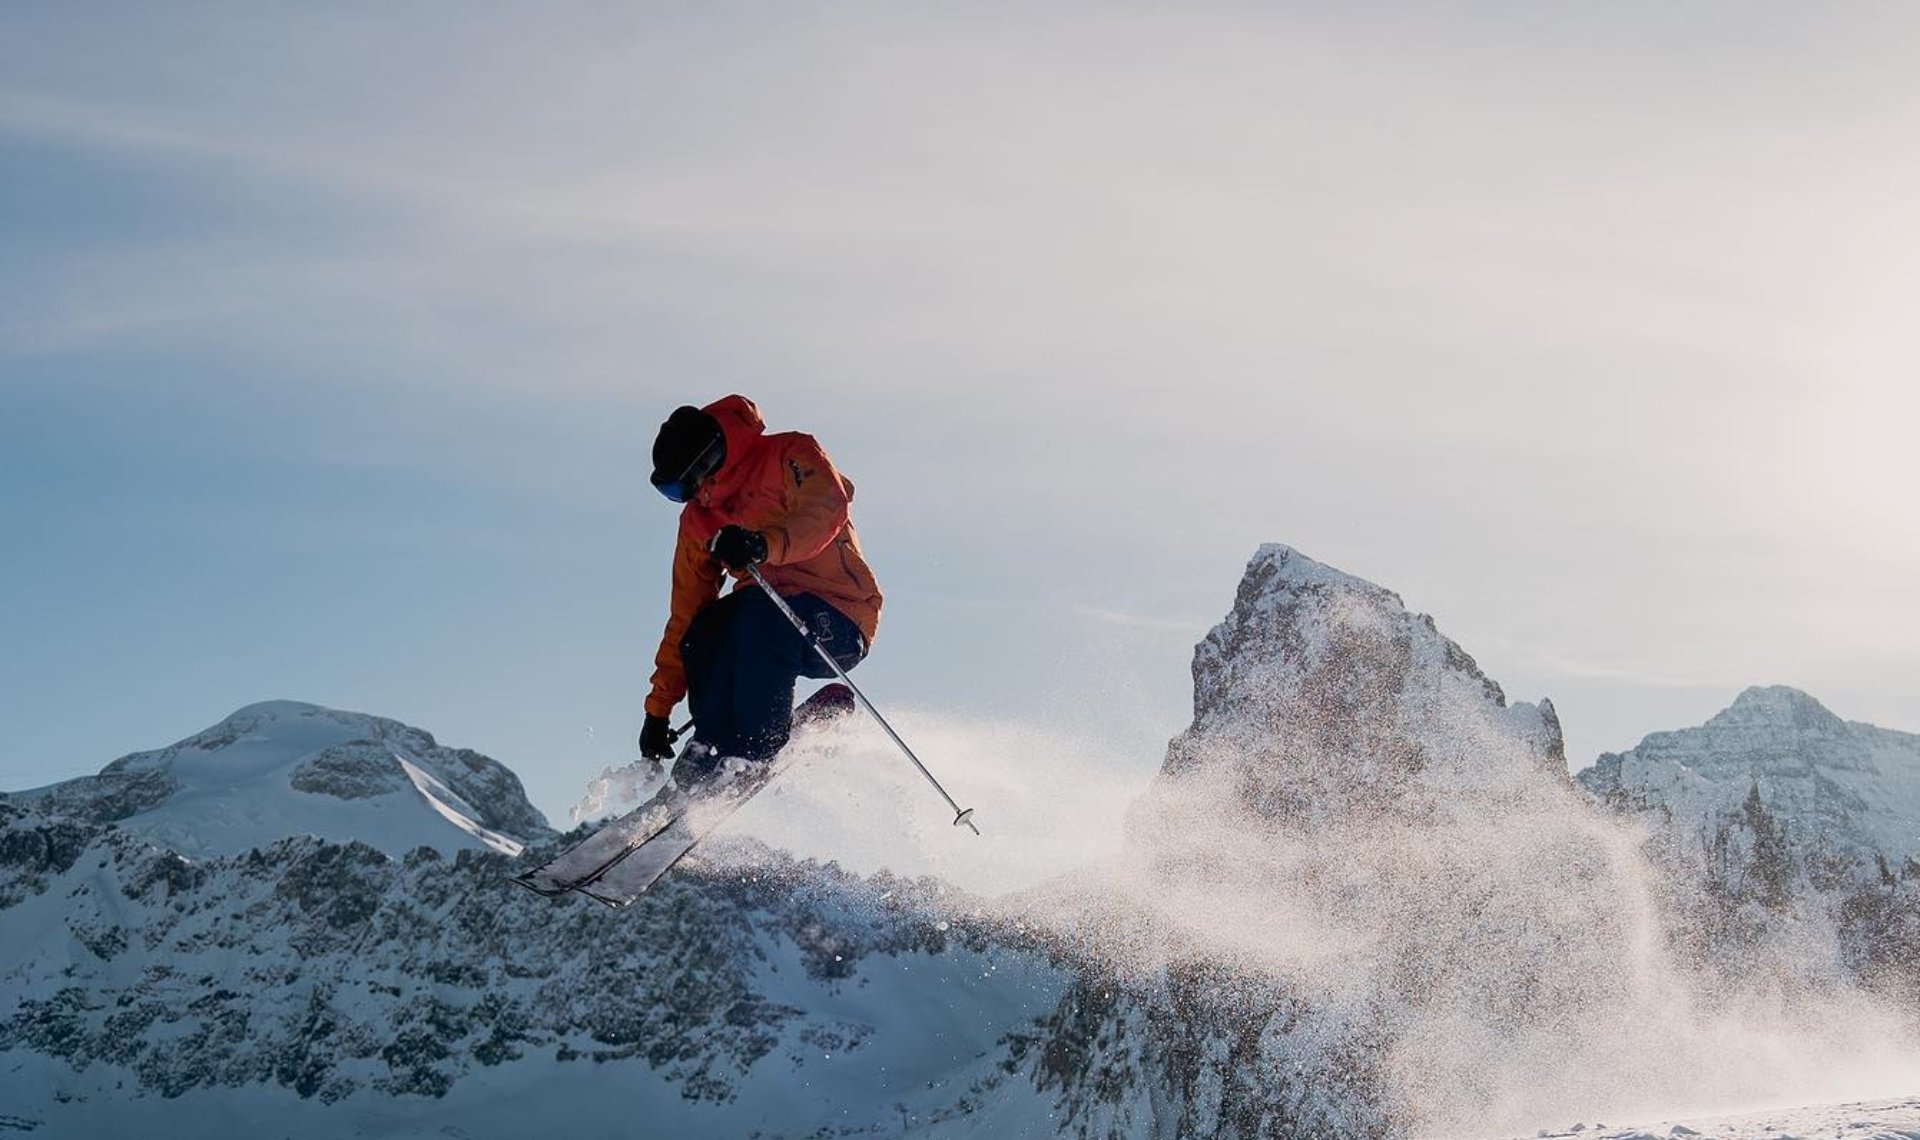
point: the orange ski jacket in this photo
(784, 486)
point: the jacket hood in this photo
(743, 428)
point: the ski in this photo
(621, 885)
(597, 853)
(681, 821)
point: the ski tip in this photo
(543, 892)
(611, 902)
(834, 691)
(830, 701)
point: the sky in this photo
(333, 340)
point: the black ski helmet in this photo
(689, 448)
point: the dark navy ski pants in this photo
(742, 658)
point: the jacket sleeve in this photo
(696, 581)
(817, 498)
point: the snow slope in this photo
(283, 768)
(1877, 1120)
(312, 989)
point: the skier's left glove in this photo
(737, 548)
(656, 738)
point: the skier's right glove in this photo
(737, 548)
(656, 738)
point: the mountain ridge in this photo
(1850, 784)
(280, 768)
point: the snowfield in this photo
(1879, 1120)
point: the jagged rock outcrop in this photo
(1323, 696)
(1361, 874)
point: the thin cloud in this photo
(116, 129)
(1152, 623)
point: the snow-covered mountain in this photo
(315, 989)
(1792, 837)
(298, 922)
(282, 768)
(1361, 898)
(1299, 942)
(1849, 787)
(1364, 899)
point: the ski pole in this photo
(960, 815)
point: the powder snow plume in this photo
(1361, 896)
(1490, 964)
(1362, 865)
(1046, 802)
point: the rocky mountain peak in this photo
(1324, 694)
(1352, 769)
(1778, 707)
(1853, 787)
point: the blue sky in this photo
(332, 342)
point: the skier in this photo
(751, 499)
(772, 510)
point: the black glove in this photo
(656, 739)
(738, 548)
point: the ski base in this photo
(597, 853)
(622, 884)
(618, 863)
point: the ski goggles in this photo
(680, 488)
